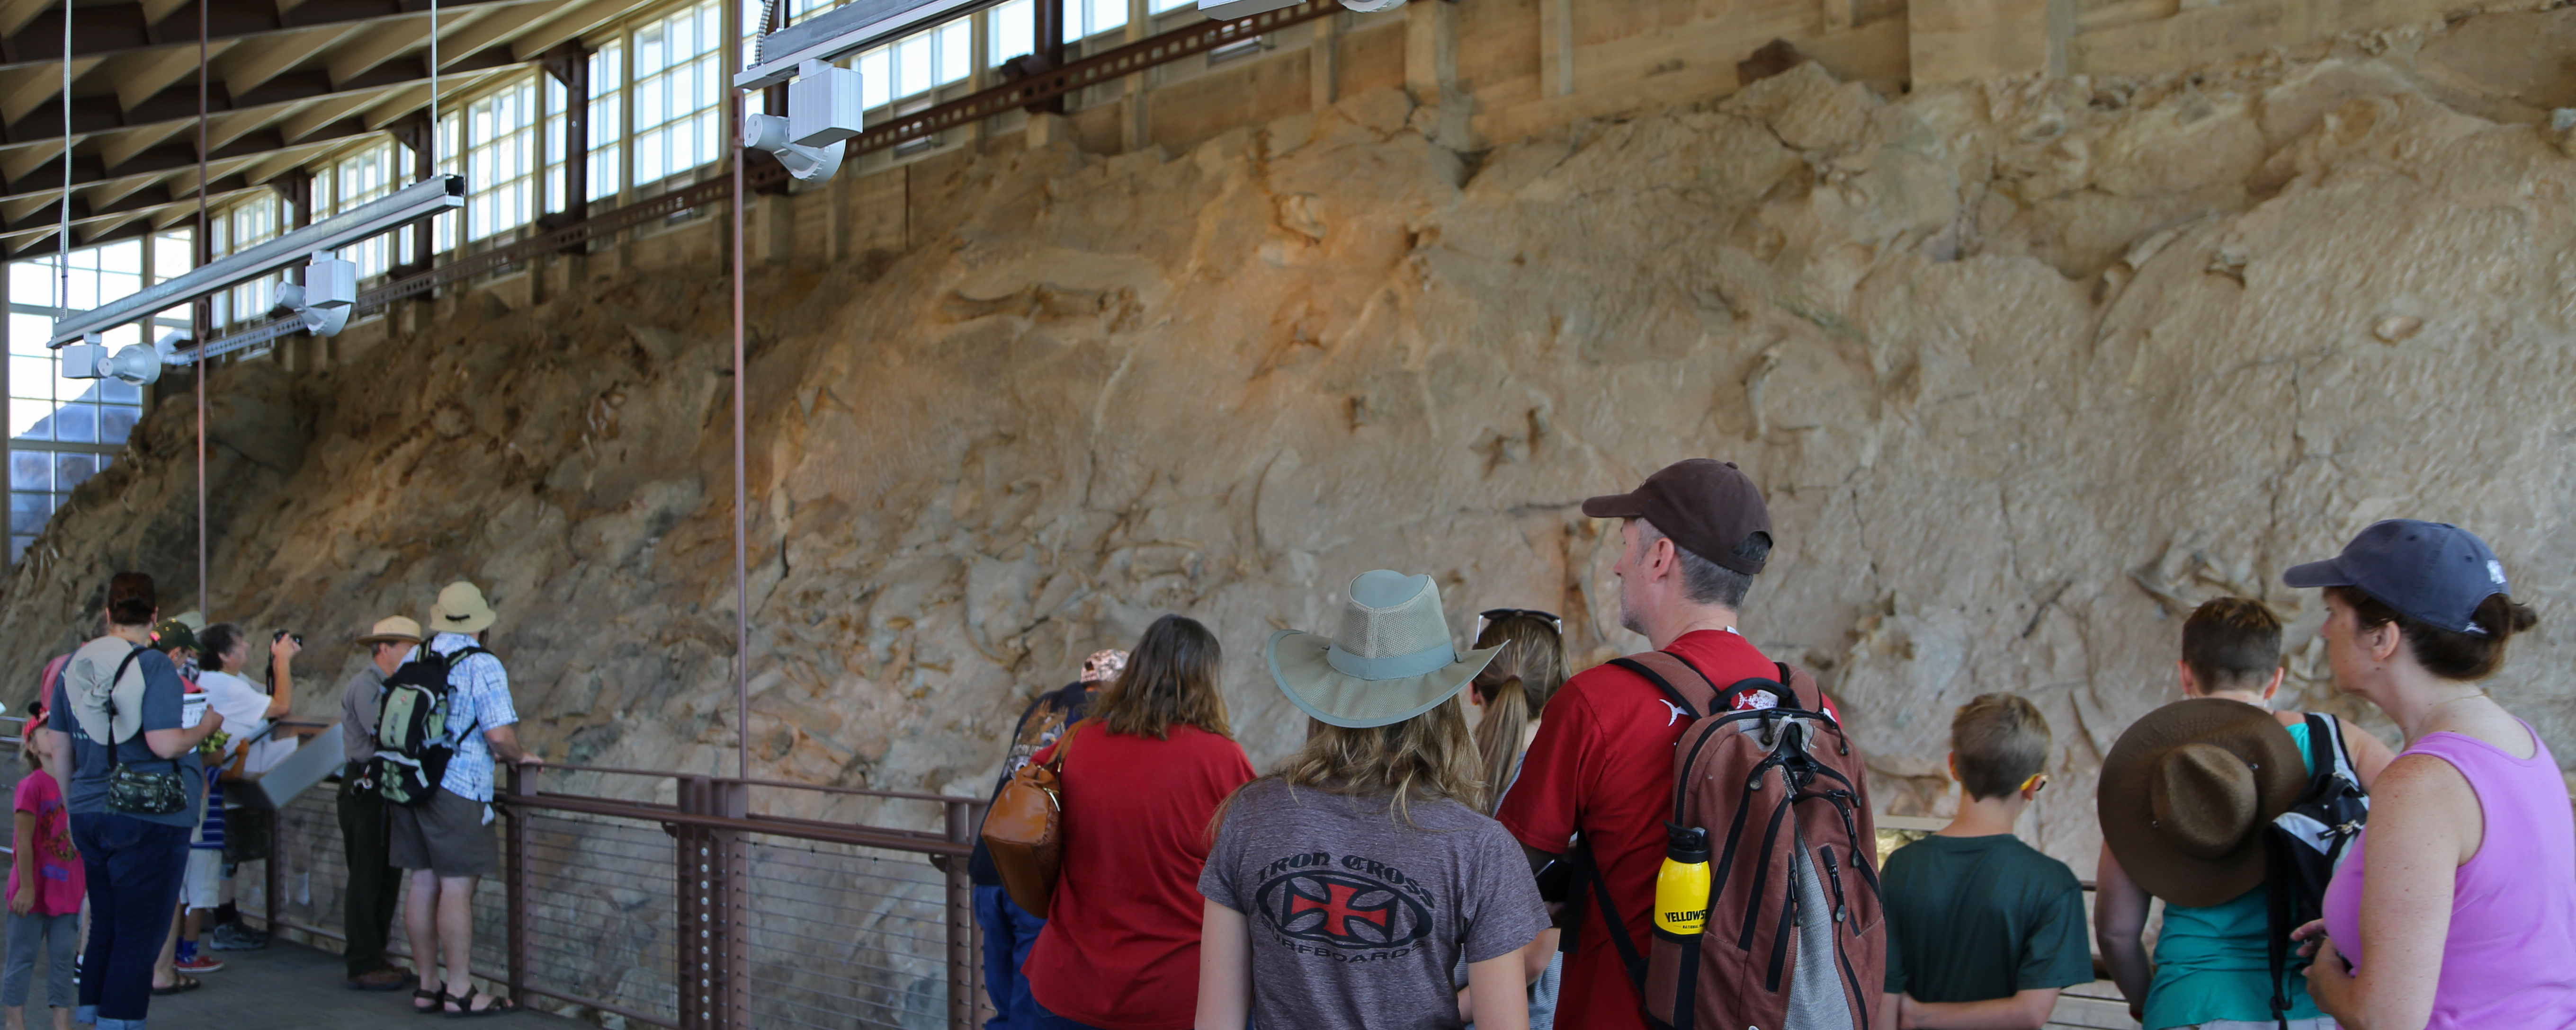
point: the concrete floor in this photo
(291, 987)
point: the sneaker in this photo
(200, 963)
(235, 937)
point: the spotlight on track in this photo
(323, 302)
(1222, 10)
(823, 109)
(137, 363)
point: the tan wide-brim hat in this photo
(461, 609)
(1390, 660)
(393, 630)
(2186, 792)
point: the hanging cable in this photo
(202, 324)
(433, 87)
(63, 262)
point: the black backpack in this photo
(2304, 844)
(416, 733)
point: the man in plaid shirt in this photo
(446, 844)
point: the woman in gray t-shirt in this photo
(1344, 888)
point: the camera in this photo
(282, 634)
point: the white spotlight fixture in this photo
(824, 107)
(323, 302)
(136, 363)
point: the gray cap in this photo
(2433, 572)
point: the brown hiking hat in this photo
(2185, 794)
(1707, 506)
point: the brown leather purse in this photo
(1024, 830)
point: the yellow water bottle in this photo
(1681, 886)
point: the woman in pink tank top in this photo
(2456, 908)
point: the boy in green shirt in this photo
(1983, 929)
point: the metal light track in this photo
(404, 206)
(765, 174)
(845, 30)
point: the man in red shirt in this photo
(1695, 534)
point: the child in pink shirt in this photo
(45, 887)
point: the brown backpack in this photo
(1796, 935)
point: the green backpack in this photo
(415, 730)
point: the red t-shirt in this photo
(1121, 945)
(1603, 765)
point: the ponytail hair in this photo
(2448, 653)
(1515, 688)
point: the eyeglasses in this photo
(1499, 614)
(2036, 783)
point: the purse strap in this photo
(114, 761)
(1064, 744)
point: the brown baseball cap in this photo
(1709, 507)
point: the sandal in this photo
(184, 985)
(493, 1006)
(437, 1001)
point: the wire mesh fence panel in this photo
(603, 910)
(846, 937)
(312, 861)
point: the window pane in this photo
(118, 391)
(116, 421)
(71, 470)
(956, 51)
(31, 470)
(1014, 29)
(31, 377)
(29, 512)
(1105, 15)
(31, 419)
(876, 84)
(76, 423)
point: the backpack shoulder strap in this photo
(1680, 681)
(113, 760)
(2326, 753)
(1631, 959)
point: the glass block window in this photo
(62, 431)
(501, 160)
(352, 181)
(678, 84)
(607, 119)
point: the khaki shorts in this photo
(204, 884)
(446, 836)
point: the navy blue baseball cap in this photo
(2433, 572)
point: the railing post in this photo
(962, 945)
(514, 881)
(696, 952)
(274, 876)
(733, 877)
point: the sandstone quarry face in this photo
(2027, 368)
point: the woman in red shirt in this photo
(1143, 776)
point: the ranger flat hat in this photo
(393, 630)
(1390, 659)
(2186, 791)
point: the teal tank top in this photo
(2212, 963)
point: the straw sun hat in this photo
(1390, 659)
(461, 609)
(2185, 794)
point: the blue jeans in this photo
(134, 869)
(1009, 932)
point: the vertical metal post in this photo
(694, 954)
(714, 985)
(274, 873)
(1050, 50)
(204, 308)
(514, 879)
(733, 874)
(962, 946)
(741, 520)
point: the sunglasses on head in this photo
(2035, 783)
(1499, 614)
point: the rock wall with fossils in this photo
(2026, 366)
